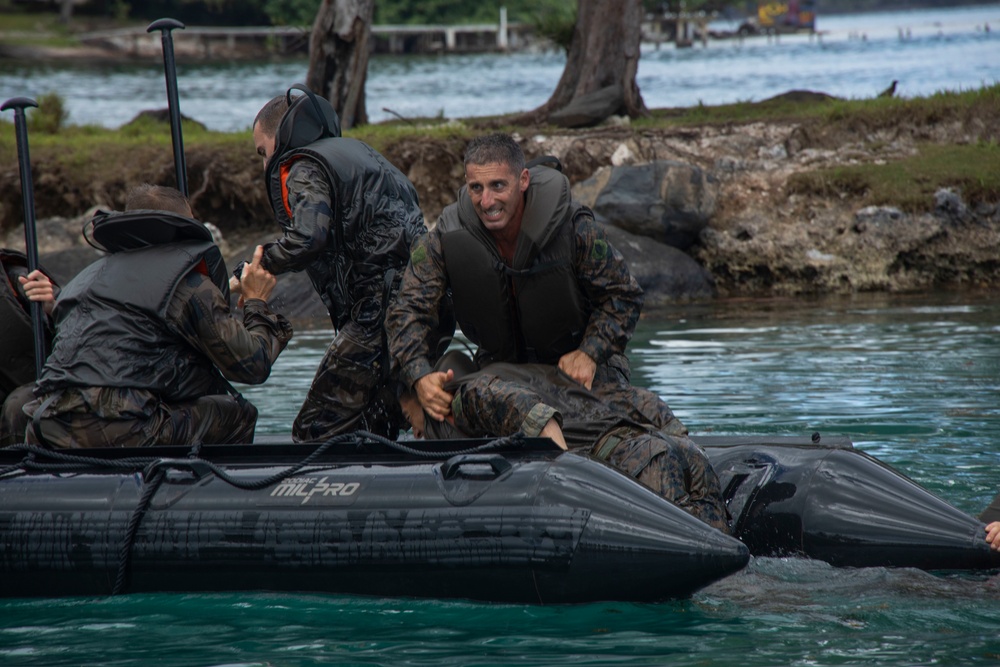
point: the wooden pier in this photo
(256, 42)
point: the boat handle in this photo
(499, 465)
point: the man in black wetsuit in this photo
(348, 218)
(145, 340)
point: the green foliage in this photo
(291, 12)
(424, 12)
(50, 116)
(556, 21)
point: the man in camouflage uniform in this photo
(145, 340)
(348, 218)
(532, 275)
(540, 400)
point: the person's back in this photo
(145, 341)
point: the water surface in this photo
(913, 380)
(855, 56)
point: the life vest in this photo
(532, 310)
(111, 325)
(376, 216)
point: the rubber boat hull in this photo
(526, 525)
(832, 502)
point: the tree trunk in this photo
(599, 78)
(338, 57)
(66, 10)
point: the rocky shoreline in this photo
(700, 212)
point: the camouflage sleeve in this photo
(488, 406)
(310, 199)
(614, 294)
(243, 352)
(412, 318)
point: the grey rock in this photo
(666, 274)
(671, 202)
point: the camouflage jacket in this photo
(601, 271)
(200, 315)
(503, 399)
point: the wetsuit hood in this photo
(308, 119)
(115, 231)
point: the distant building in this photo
(790, 16)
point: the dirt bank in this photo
(767, 236)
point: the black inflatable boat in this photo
(503, 521)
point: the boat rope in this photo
(152, 485)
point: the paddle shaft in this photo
(170, 72)
(18, 104)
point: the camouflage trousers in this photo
(672, 466)
(216, 419)
(992, 512)
(13, 421)
(350, 391)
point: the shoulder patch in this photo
(418, 255)
(599, 250)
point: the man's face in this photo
(264, 143)
(497, 193)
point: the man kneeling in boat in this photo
(541, 400)
(145, 340)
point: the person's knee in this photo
(13, 421)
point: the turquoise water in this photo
(912, 379)
(856, 56)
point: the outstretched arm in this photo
(310, 199)
(412, 323)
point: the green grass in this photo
(910, 184)
(870, 113)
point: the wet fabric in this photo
(674, 467)
(216, 419)
(992, 512)
(614, 296)
(503, 399)
(353, 239)
(13, 421)
(198, 314)
(112, 328)
(349, 392)
(529, 307)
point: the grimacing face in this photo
(497, 193)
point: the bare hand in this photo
(993, 535)
(432, 396)
(579, 366)
(552, 430)
(256, 282)
(38, 287)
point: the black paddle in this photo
(18, 104)
(170, 71)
